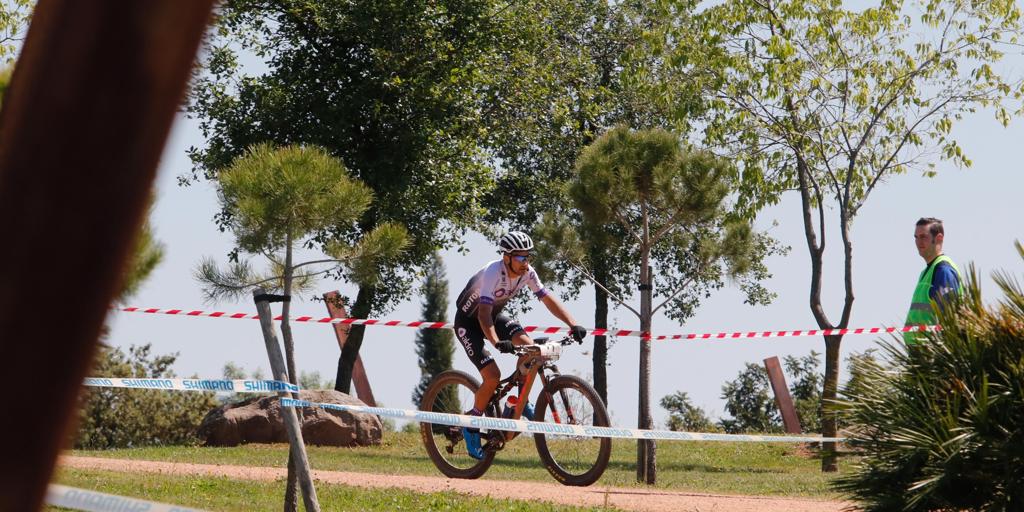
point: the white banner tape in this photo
(534, 427)
(224, 386)
(92, 501)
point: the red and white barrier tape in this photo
(549, 330)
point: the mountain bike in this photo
(563, 399)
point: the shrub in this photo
(685, 416)
(749, 401)
(121, 418)
(805, 389)
(941, 425)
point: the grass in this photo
(770, 469)
(214, 493)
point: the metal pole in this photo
(291, 420)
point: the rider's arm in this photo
(483, 314)
(555, 307)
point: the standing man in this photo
(479, 320)
(939, 278)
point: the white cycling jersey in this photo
(493, 285)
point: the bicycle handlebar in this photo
(520, 350)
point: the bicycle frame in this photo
(534, 364)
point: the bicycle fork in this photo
(571, 419)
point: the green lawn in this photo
(222, 494)
(776, 469)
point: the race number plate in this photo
(551, 352)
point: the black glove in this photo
(578, 332)
(504, 346)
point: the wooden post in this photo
(83, 125)
(782, 399)
(359, 378)
(291, 419)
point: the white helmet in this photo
(515, 241)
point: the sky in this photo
(980, 206)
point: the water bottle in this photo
(510, 406)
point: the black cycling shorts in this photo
(472, 338)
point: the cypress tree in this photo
(434, 347)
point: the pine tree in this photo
(434, 347)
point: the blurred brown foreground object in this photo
(82, 129)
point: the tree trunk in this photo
(361, 309)
(646, 467)
(601, 322)
(810, 196)
(291, 499)
(829, 425)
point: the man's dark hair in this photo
(934, 225)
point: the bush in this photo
(805, 389)
(684, 416)
(121, 418)
(941, 425)
(749, 401)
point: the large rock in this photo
(258, 420)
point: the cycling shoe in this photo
(528, 411)
(472, 437)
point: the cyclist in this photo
(478, 317)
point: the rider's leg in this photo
(490, 375)
(468, 332)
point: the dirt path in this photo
(623, 498)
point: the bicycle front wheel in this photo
(572, 460)
(451, 392)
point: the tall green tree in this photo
(671, 202)
(435, 347)
(568, 71)
(832, 102)
(281, 199)
(390, 88)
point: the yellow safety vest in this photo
(921, 312)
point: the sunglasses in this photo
(521, 258)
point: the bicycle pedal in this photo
(495, 441)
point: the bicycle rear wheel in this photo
(451, 392)
(572, 460)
